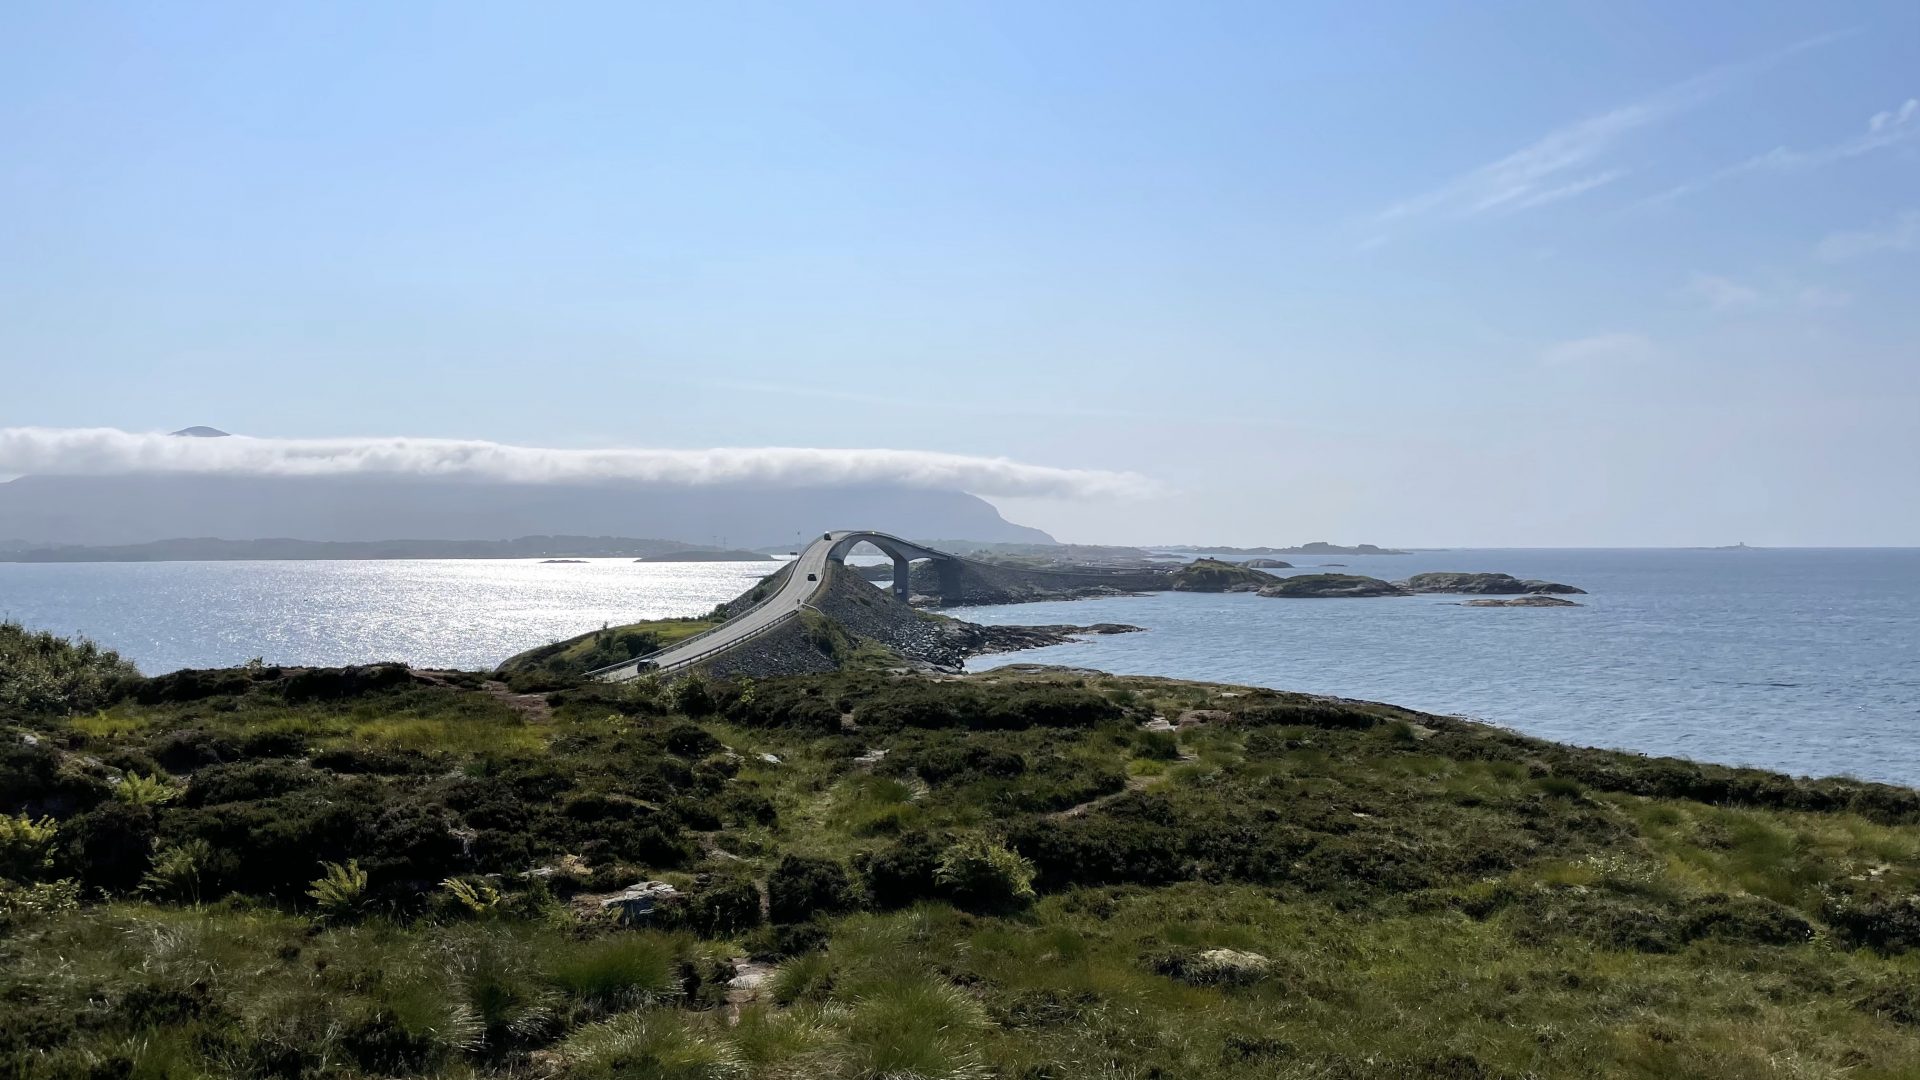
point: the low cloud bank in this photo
(107, 451)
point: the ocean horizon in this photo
(1804, 660)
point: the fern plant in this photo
(340, 892)
(176, 872)
(139, 790)
(478, 899)
(26, 846)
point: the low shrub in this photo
(43, 673)
(901, 873)
(35, 780)
(723, 909)
(691, 741)
(1887, 924)
(245, 782)
(1313, 714)
(1006, 708)
(338, 684)
(977, 873)
(108, 847)
(187, 749)
(803, 887)
(1747, 919)
(194, 684)
(1895, 998)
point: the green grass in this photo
(607, 645)
(630, 969)
(1433, 898)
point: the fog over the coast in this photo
(111, 452)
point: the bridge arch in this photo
(904, 554)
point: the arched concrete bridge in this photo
(807, 575)
(904, 554)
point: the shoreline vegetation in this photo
(1036, 873)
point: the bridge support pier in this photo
(902, 579)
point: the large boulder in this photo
(1486, 584)
(1315, 585)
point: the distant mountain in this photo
(203, 432)
(119, 510)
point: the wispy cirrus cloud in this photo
(1573, 160)
(1900, 234)
(1724, 295)
(1720, 293)
(1615, 348)
(108, 451)
(1885, 130)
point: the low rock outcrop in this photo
(1522, 601)
(1213, 575)
(1490, 584)
(1338, 585)
(1268, 564)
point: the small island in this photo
(1321, 547)
(1333, 585)
(710, 555)
(546, 561)
(1522, 601)
(1315, 547)
(1489, 584)
(1214, 575)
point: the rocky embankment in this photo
(1486, 584)
(865, 614)
(982, 640)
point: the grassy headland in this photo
(607, 645)
(266, 872)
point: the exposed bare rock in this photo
(1336, 585)
(1491, 584)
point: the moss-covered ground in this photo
(327, 873)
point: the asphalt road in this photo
(793, 595)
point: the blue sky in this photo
(1622, 273)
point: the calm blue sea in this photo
(1805, 661)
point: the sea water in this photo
(1806, 661)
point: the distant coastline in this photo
(1316, 547)
(210, 549)
(710, 555)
